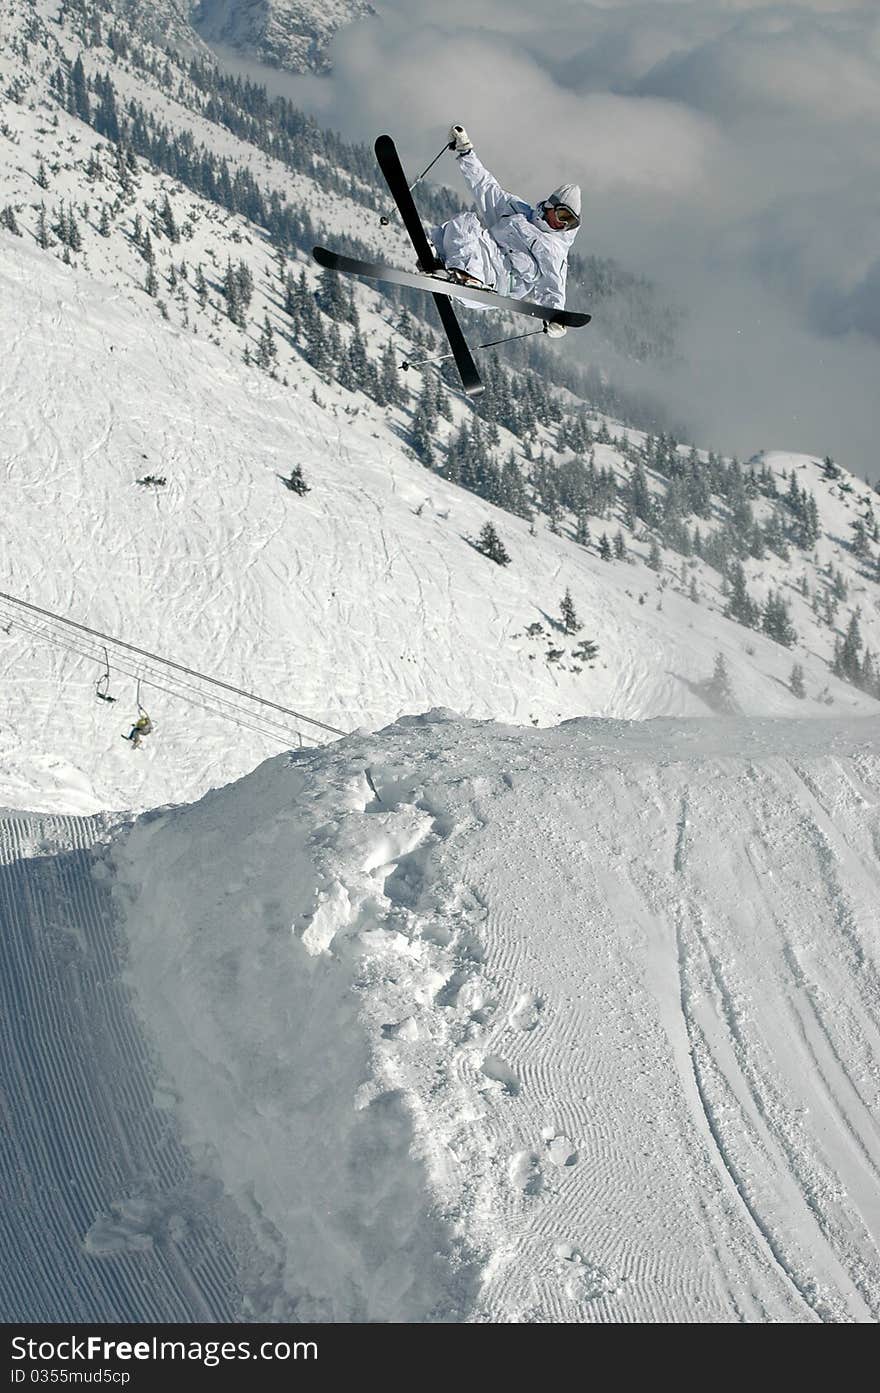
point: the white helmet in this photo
(567, 196)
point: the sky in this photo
(727, 148)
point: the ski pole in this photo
(493, 343)
(450, 145)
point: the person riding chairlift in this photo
(142, 726)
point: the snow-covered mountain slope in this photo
(163, 22)
(361, 600)
(291, 34)
(602, 1002)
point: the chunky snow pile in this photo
(482, 1023)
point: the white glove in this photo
(459, 140)
(556, 331)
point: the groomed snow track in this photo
(102, 1217)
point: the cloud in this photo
(729, 148)
(533, 132)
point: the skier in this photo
(142, 726)
(508, 245)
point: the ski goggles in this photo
(567, 216)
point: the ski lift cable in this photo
(234, 714)
(167, 662)
(220, 705)
(268, 727)
(145, 675)
(238, 720)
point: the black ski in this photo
(375, 270)
(389, 163)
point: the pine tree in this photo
(106, 118)
(807, 534)
(42, 176)
(490, 545)
(245, 280)
(123, 173)
(104, 224)
(169, 226)
(267, 352)
(336, 348)
(74, 240)
(512, 490)
(43, 239)
(444, 405)
(235, 307)
(582, 532)
(655, 559)
(335, 297)
(317, 350)
(201, 287)
(848, 654)
(776, 621)
(869, 678)
(390, 384)
(860, 544)
(79, 93)
(570, 622)
(7, 220)
(586, 652)
(291, 299)
(619, 546)
(718, 690)
(604, 547)
(358, 358)
(796, 682)
(638, 494)
(151, 284)
(741, 606)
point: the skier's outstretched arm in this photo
(491, 199)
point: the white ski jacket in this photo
(529, 258)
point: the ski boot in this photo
(459, 277)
